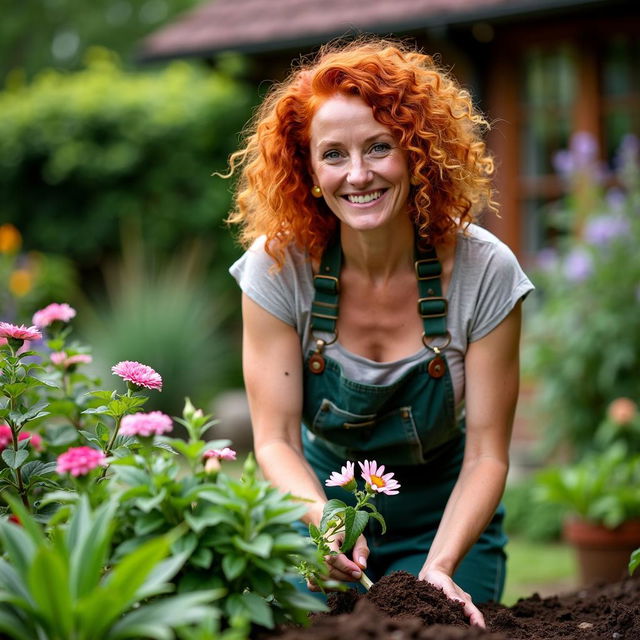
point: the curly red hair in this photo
(430, 115)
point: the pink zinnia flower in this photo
(60, 358)
(138, 374)
(78, 461)
(377, 480)
(221, 454)
(52, 313)
(343, 479)
(146, 424)
(19, 332)
(35, 442)
(5, 436)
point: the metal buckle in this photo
(417, 264)
(433, 315)
(332, 279)
(439, 348)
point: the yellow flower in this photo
(20, 282)
(10, 238)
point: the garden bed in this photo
(399, 607)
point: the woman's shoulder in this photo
(478, 246)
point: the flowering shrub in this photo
(582, 343)
(91, 459)
(346, 523)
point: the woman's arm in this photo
(272, 364)
(491, 391)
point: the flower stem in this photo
(365, 582)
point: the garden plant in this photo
(140, 534)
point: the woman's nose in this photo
(359, 173)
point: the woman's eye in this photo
(331, 155)
(380, 147)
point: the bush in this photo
(82, 152)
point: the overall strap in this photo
(324, 310)
(432, 306)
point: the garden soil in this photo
(400, 607)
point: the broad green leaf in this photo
(160, 576)
(11, 582)
(202, 558)
(303, 601)
(259, 546)
(331, 509)
(103, 395)
(48, 580)
(380, 519)
(154, 620)
(14, 459)
(259, 611)
(14, 626)
(18, 546)
(148, 523)
(148, 504)
(289, 541)
(285, 515)
(354, 524)
(62, 436)
(89, 545)
(210, 517)
(233, 565)
(261, 581)
(35, 468)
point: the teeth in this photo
(369, 197)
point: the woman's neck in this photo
(380, 253)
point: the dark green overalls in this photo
(409, 426)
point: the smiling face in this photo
(358, 164)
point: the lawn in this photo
(546, 568)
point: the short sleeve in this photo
(501, 285)
(272, 289)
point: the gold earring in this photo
(316, 191)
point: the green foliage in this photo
(82, 152)
(240, 534)
(40, 33)
(530, 519)
(55, 586)
(601, 488)
(582, 344)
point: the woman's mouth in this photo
(364, 198)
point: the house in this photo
(540, 70)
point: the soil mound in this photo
(400, 607)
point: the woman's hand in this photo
(443, 581)
(340, 566)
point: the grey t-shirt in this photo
(485, 285)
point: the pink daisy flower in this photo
(52, 313)
(5, 436)
(146, 424)
(19, 332)
(377, 480)
(61, 359)
(78, 461)
(221, 454)
(138, 374)
(343, 479)
(35, 442)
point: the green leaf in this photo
(14, 626)
(156, 619)
(634, 562)
(18, 546)
(354, 524)
(148, 523)
(210, 517)
(148, 504)
(331, 509)
(259, 611)
(48, 580)
(14, 459)
(233, 565)
(202, 558)
(62, 436)
(289, 541)
(36, 469)
(380, 519)
(260, 546)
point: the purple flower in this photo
(578, 265)
(547, 259)
(600, 231)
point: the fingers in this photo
(361, 552)
(343, 569)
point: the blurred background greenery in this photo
(107, 199)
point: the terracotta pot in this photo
(603, 554)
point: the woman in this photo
(376, 314)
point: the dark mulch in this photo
(400, 607)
